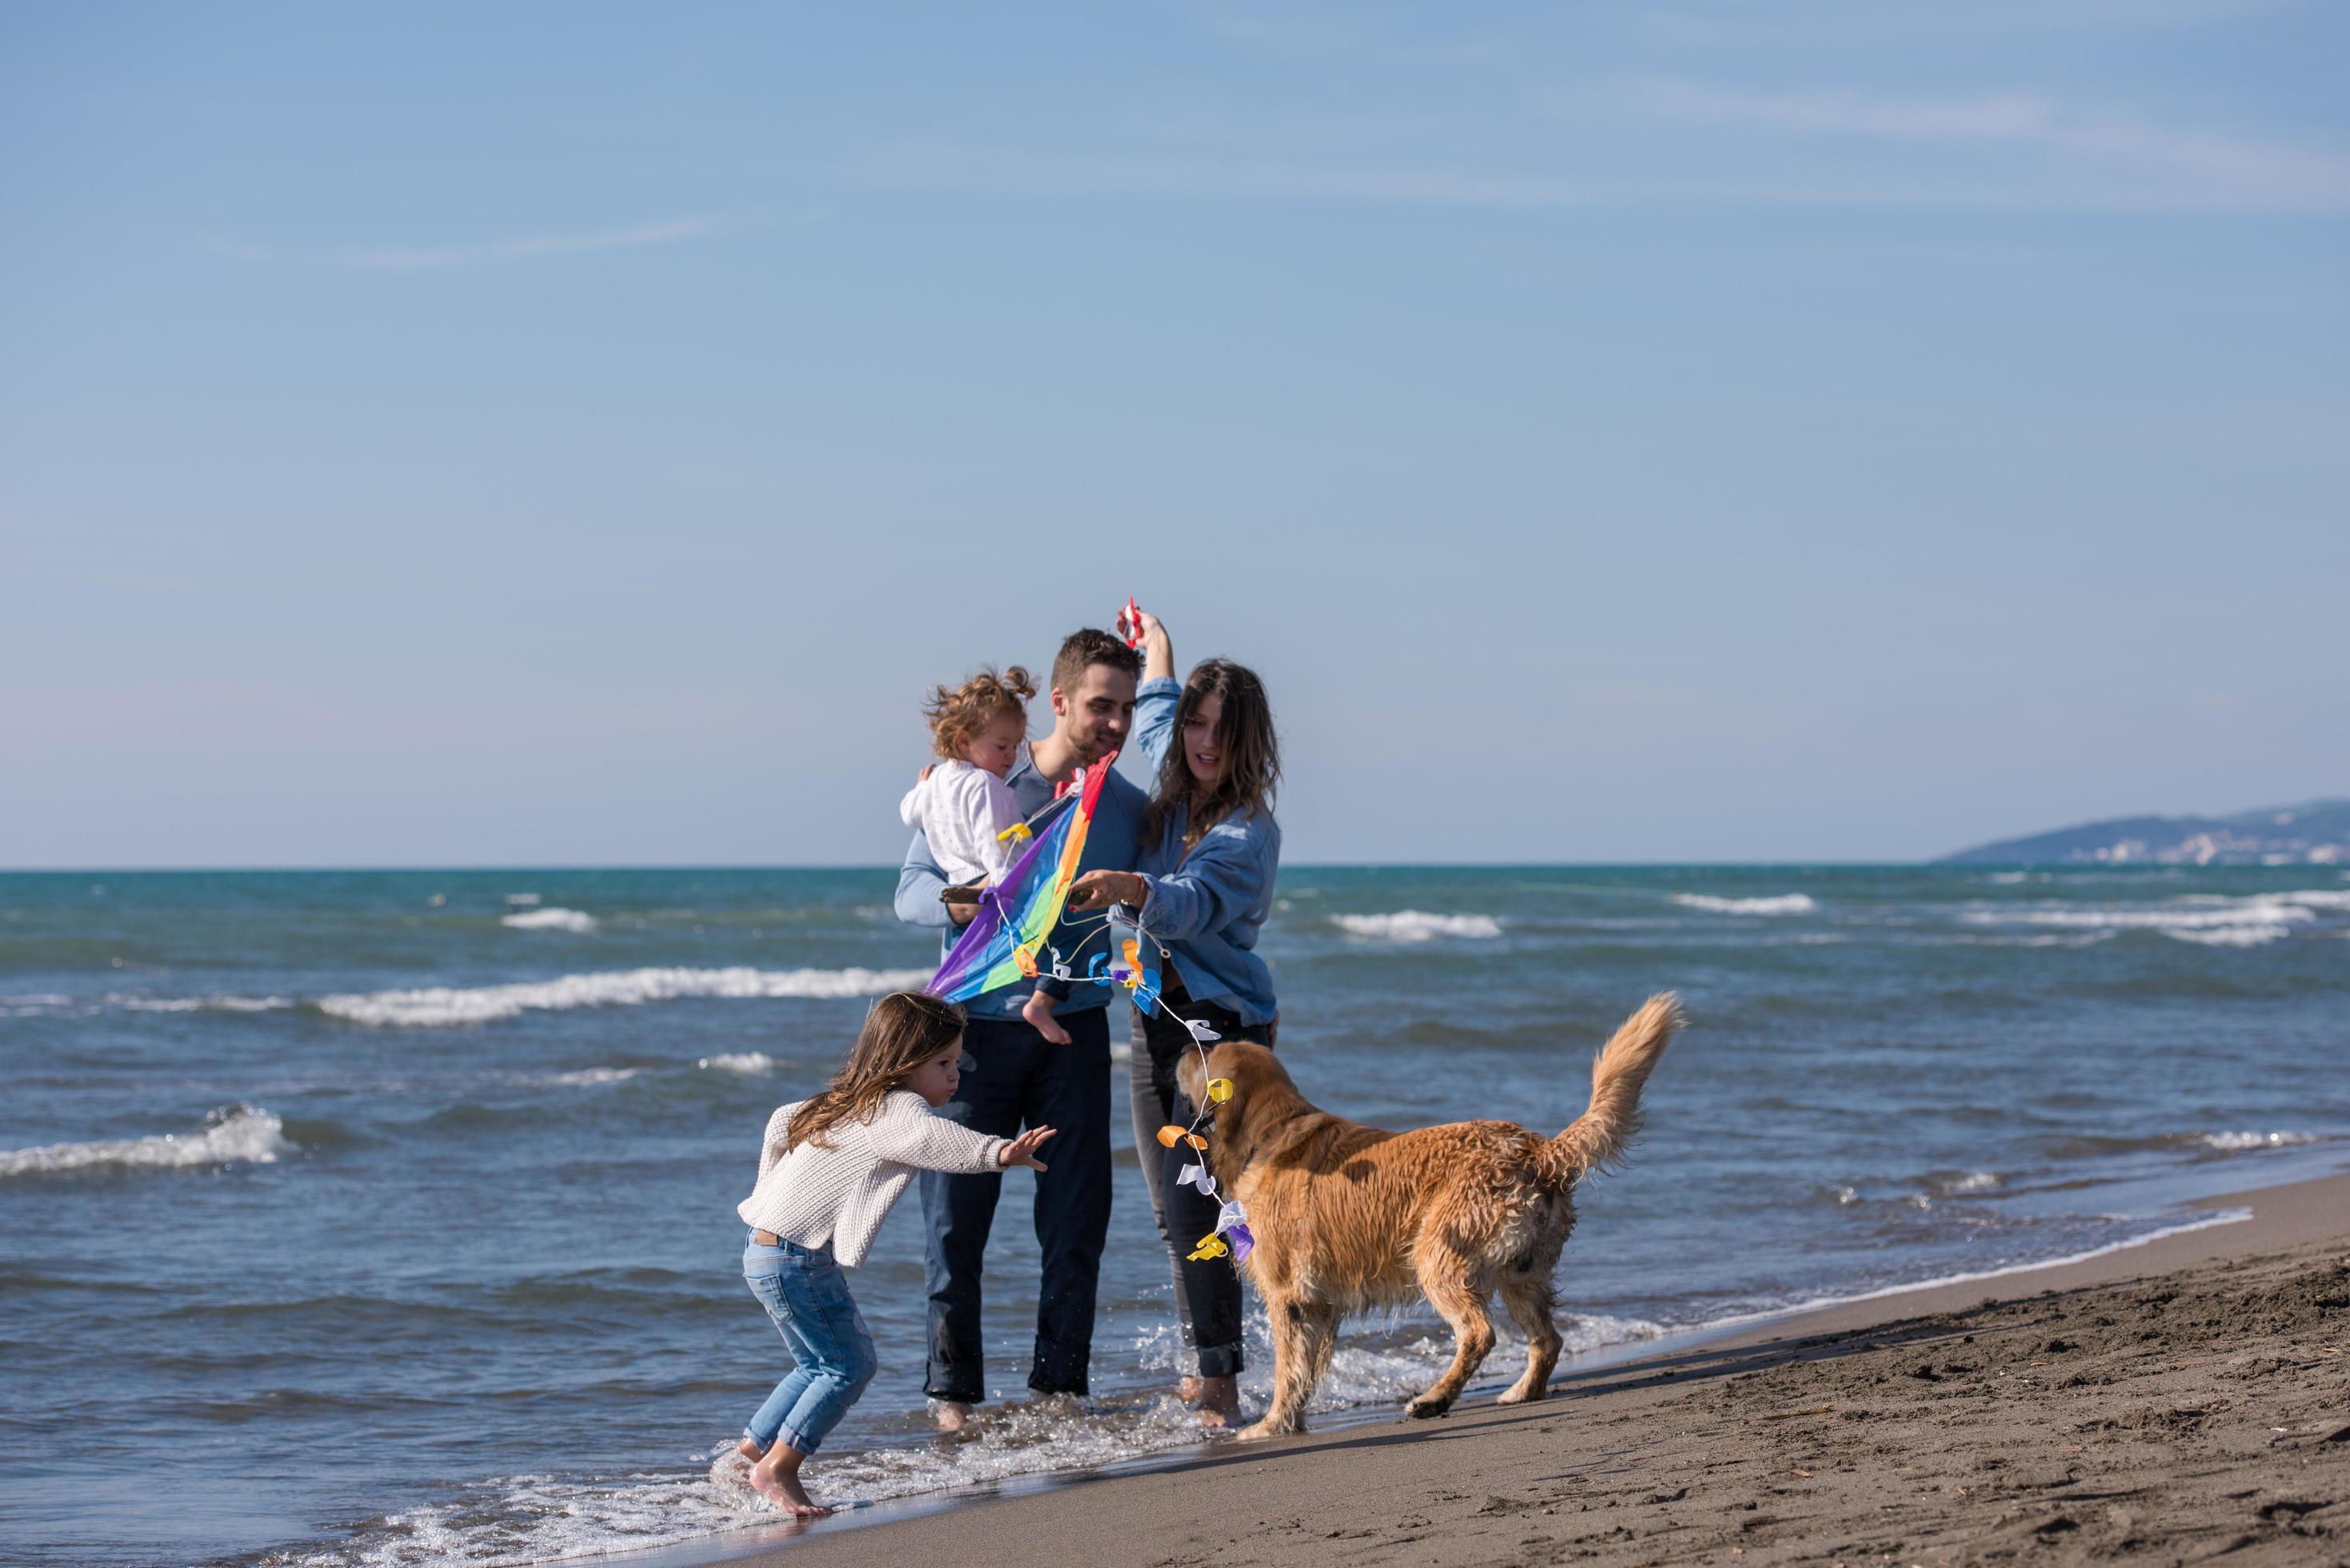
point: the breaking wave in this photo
(1784, 904)
(2220, 922)
(572, 920)
(1417, 926)
(440, 1007)
(237, 1134)
(592, 1077)
(2231, 1142)
(199, 1003)
(744, 1063)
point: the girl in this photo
(830, 1169)
(962, 803)
(1209, 851)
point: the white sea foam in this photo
(442, 1006)
(230, 1134)
(1783, 904)
(589, 1077)
(744, 1063)
(534, 1519)
(2233, 922)
(199, 1003)
(1417, 926)
(2234, 1141)
(2230, 936)
(572, 920)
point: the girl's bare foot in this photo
(1219, 1400)
(777, 1479)
(749, 1450)
(951, 1415)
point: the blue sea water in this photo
(387, 1217)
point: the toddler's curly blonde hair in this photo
(958, 715)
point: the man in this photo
(1015, 1078)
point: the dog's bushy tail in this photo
(1603, 1131)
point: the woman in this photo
(1209, 849)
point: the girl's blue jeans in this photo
(832, 1354)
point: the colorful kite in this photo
(1017, 915)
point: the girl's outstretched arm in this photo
(1022, 1150)
(907, 1133)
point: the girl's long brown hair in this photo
(1245, 734)
(904, 1030)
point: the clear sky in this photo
(1681, 430)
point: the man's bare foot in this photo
(1219, 1400)
(777, 1479)
(749, 1450)
(951, 1415)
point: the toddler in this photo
(963, 805)
(829, 1171)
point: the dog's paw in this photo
(1423, 1407)
(1258, 1431)
(1519, 1395)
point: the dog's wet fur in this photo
(1350, 1219)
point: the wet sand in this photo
(2183, 1399)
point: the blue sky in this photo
(1664, 432)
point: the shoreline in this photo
(1008, 1517)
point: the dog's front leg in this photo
(1293, 1370)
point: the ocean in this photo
(387, 1217)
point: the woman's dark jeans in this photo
(1207, 1295)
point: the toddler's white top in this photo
(960, 809)
(843, 1193)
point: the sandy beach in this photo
(2182, 1400)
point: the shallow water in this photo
(388, 1217)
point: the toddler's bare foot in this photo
(1038, 1013)
(1219, 1400)
(951, 1415)
(749, 1450)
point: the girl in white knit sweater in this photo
(830, 1169)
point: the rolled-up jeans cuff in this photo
(788, 1435)
(1220, 1361)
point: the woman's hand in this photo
(1022, 1150)
(1158, 653)
(1100, 890)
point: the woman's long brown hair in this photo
(904, 1030)
(1245, 734)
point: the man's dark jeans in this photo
(1014, 1079)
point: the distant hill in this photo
(2317, 834)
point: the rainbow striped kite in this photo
(1017, 916)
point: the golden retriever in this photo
(1347, 1218)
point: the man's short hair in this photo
(1081, 651)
